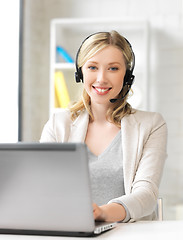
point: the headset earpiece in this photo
(128, 78)
(127, 83)
(79, 75)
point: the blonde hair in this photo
(88, 49)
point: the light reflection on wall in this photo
(9, 42)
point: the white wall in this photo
(9, 50)
(165, 19)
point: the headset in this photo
(128, 78)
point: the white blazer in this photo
(144, 140)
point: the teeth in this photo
(101, 89)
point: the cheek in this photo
(88, 78)
(84, 75)
(120, 81)
(87, 81)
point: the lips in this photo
(101, 90)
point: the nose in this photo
(101, 76)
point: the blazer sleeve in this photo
(141, 200)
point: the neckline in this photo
(112, 143)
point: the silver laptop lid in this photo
(45, 186)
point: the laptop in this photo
(45, 190)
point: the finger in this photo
(94, 205)
(95, 210)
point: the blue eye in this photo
(114, 68)
(92, 68)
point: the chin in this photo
(104, 102)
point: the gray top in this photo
(106, 171)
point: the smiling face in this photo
(103, 75)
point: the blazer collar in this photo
(79, 128)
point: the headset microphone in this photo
(128, 81)
(113, 100)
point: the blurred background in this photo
(39, 41)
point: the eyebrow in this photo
(92, 62)
(114, 63)
(108, 63)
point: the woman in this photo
(126, 147)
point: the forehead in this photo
(108, 54)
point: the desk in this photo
(156, 230)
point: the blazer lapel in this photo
(130, 139)
(79, 128)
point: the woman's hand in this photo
(111, 212)
(98, 213)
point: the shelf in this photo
(60, 66)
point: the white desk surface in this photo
(137, 231)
